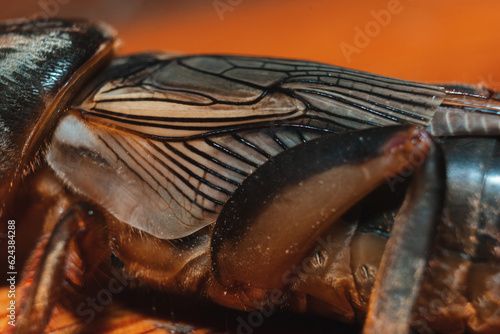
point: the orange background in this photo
(429, 41)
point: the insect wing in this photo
(166, 141)
(187, 96)
(167, 188)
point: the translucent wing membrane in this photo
(163, 142)
(166, 188)
(189, 96)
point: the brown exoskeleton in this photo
(230, 177)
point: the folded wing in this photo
(162, 142)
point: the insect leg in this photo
(402, 268)
(274, 218)
(49, 264)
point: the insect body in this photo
(231, 177)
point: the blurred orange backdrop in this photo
(421, 40)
